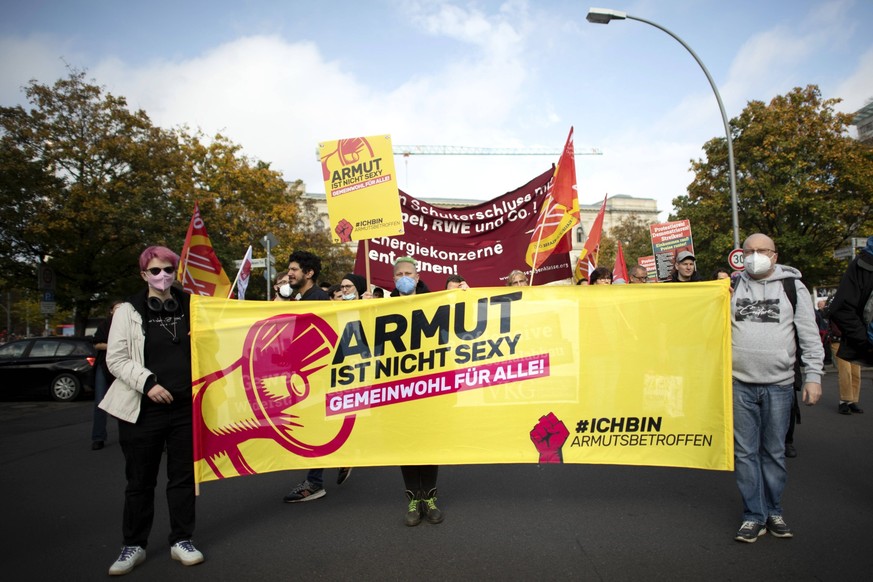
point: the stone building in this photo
(863, 122)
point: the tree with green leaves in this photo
(801, 179)
(242, 199)
(636, 241)
(86, 184)
(83, 182)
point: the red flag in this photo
(200, 271)
(242, 276)
(559, 213)
(588, 259)
(619, 271)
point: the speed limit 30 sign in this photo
(735, 259)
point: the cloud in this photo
(40, 57)
(513, 74)
(857, 90)
(496, 33)
(278, 99)
(775, 61)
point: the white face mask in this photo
(757, 264)
(285, 291)
(349, 297)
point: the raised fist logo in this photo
(344, 230)
(548, 436)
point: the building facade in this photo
(863, 122)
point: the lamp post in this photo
(604, 16)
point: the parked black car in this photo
(63, 366)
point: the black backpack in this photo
(790, 288)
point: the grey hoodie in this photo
(762, 326)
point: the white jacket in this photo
(125, 357)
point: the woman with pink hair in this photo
(149, 353)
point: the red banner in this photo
(482, 243)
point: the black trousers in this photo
(420, 477)
(143, 444)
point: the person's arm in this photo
(101, 336)
(119, 356)
(811, 349)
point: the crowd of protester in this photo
(145, 382)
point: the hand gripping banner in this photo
(630, 375)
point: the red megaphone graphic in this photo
(279, 355)
(349, 152)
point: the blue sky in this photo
(278, 77)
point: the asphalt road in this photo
(62, 507)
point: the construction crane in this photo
(443, 150)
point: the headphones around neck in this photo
(157, 305)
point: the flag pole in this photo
(184, 271)
(233, 285)
(561, 199)
(536, 252)
(186, 246)
(539, 239)
(367, 262)
(247, 258)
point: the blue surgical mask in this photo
(405, 285)
(349, 297)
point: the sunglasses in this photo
(157, 270)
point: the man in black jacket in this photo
(847, 310)
(303, 270)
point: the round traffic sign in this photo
(46, 278)
(735, 259)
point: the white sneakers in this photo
(131, 556)
(128, 560)
(185, 552)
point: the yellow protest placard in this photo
(361, 186)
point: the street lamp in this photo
(604, 16)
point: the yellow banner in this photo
(632, 375)
(363, 201)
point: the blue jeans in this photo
(316, 477)
(98, 426)
(761, 416)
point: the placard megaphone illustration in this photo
(278, 357)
